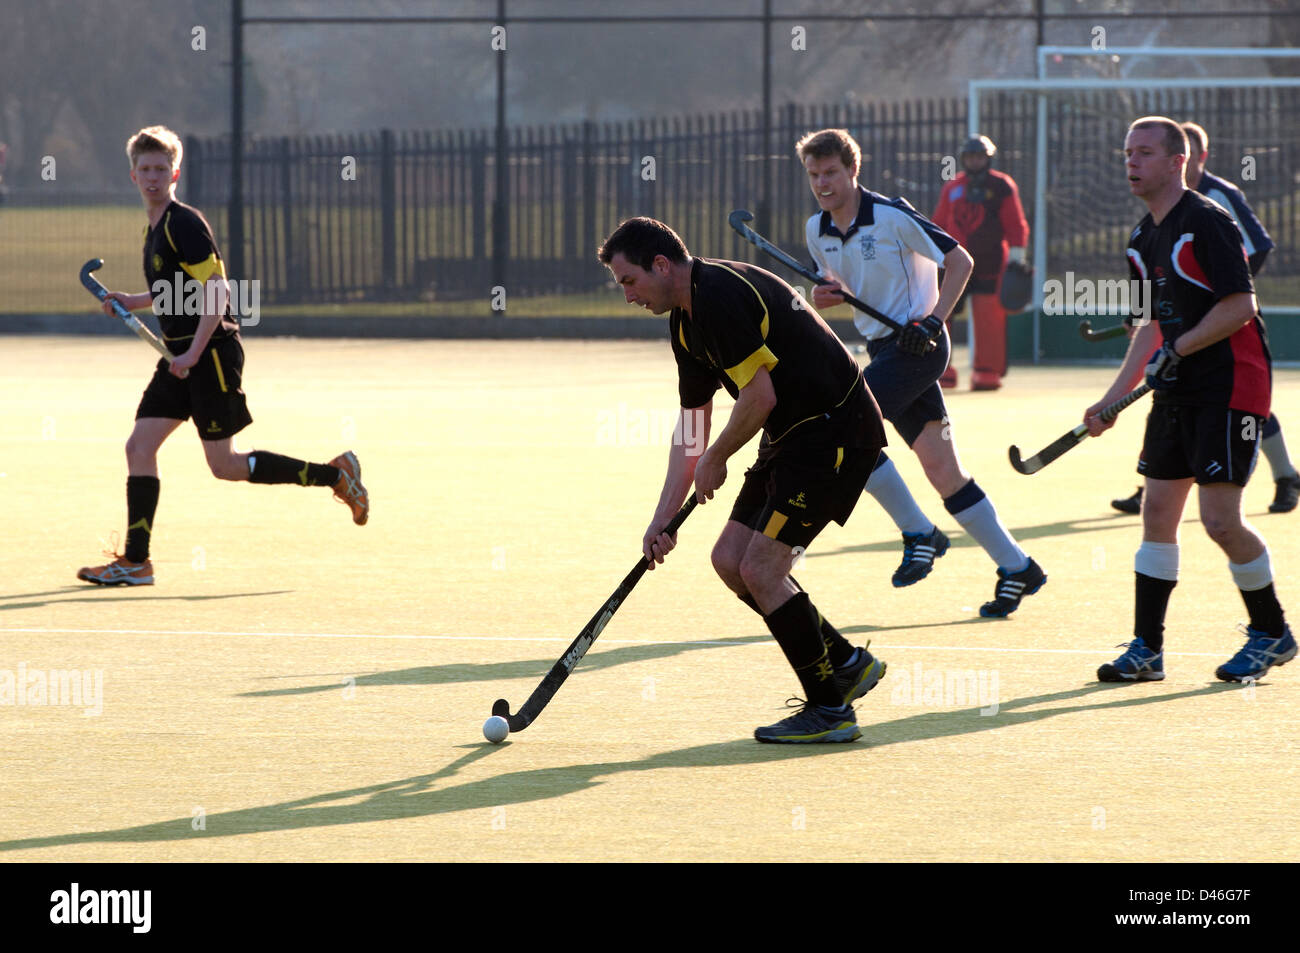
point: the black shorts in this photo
(211, 394)
(811, 477)
(906, 387)
(1213, 444)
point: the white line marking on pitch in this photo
(552, 638)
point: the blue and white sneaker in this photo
(1260, 653)
(812, 724)
(1138, 664)
(860, 676)
(920, 550)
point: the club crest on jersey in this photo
(868, 247)
(157, 262)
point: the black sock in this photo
(141, 504)
(1149, 613)
(1265, 611)
(267, 467)
(794, 626)
(838, 648)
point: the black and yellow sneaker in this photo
(860, 675)
(812, 724)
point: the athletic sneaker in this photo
(860, 675)
(1138, 664)
(1129, 504)
(949, 377)
(1287, 495)
(920, 550)
(812, 724)
(1011, 588)
(985, 380)
(349, 489)
(120, 572)
(1260, 653)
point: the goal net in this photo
(1062, 140)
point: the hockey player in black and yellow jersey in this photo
(203, 379)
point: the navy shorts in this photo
(906, 387)
(1213, 444)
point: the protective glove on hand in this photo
(918, 338)
(1162, 372)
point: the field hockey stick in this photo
(1078, 435)
(1102, 334)
(130, 320)
(737, 220)
(579, 646)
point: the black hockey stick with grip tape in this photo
(579, 646)
(1069, 441)
(1101, 334)
(92, 285)
(738, 220)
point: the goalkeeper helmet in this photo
(980, 145)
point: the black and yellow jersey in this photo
(182, 243)
(743, 318)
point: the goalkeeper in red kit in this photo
(981, 209)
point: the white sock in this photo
(1279, 461)
(981, 521)
(1256, 574)
(1157, 560)
(887, 487)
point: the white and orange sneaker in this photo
(120, 572)
(349, 488)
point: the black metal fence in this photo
(409, 215)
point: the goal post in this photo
(1080, 209)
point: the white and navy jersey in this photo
(890, 259)
(1255, 238)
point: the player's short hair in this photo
(825, 143)
(639, 240)
(155, 139)
(1175, 139)
(1197, 137)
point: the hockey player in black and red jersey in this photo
(1212, 377)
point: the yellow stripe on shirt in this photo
(168, 232)
(763, 325)
(203, 270)
(744, 372)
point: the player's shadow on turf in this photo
(96, 593)
(419, 796)
(493, 671)
(1021, 533)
